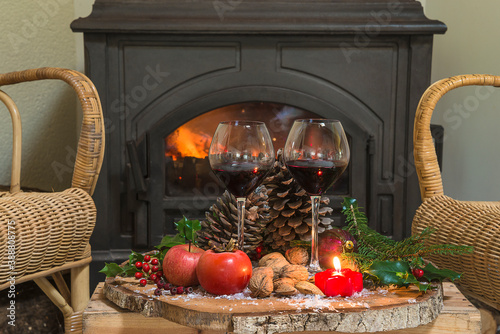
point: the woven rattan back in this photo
(90, 151)
(456, 222)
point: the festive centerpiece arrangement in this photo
(283, 226)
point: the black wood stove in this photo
(168, 71)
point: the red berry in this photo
(189, 289)
(143, 282)
(160, 284)
(168, 286)
(147, 258)
(258, 249)
(418, 273)
(138, 264)
(158, 292)
(155, 261)
(153, 277)
(173, 291)
(155, 269)
(180, 290)
(159, 273)
(138, 275)
(145, 267)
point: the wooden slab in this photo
(381, 310)
(458, 316)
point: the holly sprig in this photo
(186, 233)
(390, 262)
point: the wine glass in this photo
(316, 154)
(241, 154)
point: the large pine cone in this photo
(290, 209)
(221, 221)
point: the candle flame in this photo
(336, 263)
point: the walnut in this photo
(308, 288)
(297, 255)
(294, 271)
(286, 290)
(270, 257)
(261, 282)
(285, 280)
(277, 265)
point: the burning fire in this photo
(184, 142)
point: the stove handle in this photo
(140, 184)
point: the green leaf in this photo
(187, 228)
(129, 269)
(111, 269)
(390, 272)
(134, 257)
(432, 273)
(169, 241)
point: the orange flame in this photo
(184, 142)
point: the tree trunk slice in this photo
(380, 310)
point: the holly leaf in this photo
(391, 272)
(431, 273)
(169, 241)
(111, 269)
(129, 269)
(134, 257)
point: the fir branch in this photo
(373, 246)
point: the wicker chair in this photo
(43, 234)
(457, 222)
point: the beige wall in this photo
(471, 117)
(37, 34)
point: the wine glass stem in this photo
(314, 265)
(241, 220)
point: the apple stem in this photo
(189, 243)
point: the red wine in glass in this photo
(240, 179)
(241, 154)
(316, 176)
(316, 154)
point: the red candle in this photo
(343, 282)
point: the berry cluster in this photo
(174, 290)
(257, 253)
(150, 268)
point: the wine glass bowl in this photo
(240, 155)
(316, 153)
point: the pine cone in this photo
(221, 221)
(290, 209)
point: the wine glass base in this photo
(314, 268)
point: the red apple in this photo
(179, 265)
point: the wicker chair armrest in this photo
(90, 151)
(426, 162)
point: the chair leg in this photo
(54, 296)
(80, 296)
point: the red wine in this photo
(240, 179)
(315, 176)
